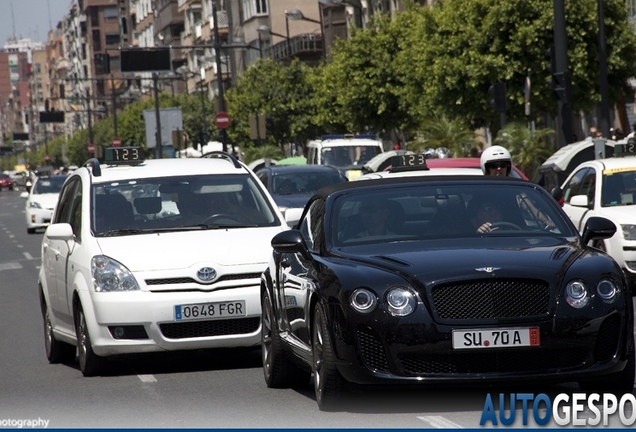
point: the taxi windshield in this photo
(176, 203)
(344, 156)
(619, 188)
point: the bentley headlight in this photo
(400, 301)
(607, 290)
(111, 276)
(363, 300)
(629, 232)
(34, 204)
(577, 294)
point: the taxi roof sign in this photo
(124, 155)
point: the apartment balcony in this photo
(307, 48)
(187, 38)
(222, 18)
(62, 64)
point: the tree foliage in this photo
(528, 148)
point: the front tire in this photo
(328, 383)
(56, 351)
(277, 369)
(89, 363)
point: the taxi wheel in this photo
(90, 363)
(328, 383)
(56, 351)
(277, 370)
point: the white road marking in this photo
(10, 266)
(439, 422)
(27, 255)
(147, 378)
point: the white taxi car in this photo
(156, 255)
(607, 187)
(41, 201)
(409, 164)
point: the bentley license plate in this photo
(496, 338)
(216, 310)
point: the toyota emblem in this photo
(206, 274)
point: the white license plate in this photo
(496, 338)
(215, 310)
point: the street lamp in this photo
(264, 29)
(297, 15)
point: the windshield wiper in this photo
(118, 232)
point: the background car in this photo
(468, 163)
(432, 298)
(606, 187)
(291, 186)
(6, 183)
(41, 201)
(154, 256)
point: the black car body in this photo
(292, 186)
(432, 300)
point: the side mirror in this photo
(59, 231)
(557, 194)
(598, 228)
(579, 201)
(24, 194)
(290, 241)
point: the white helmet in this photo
(495, 154)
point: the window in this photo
(112, 39)
(111, 14)
(573, 186)
(252, 8)
(311, 226)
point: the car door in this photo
(71, 214)
(295, 280)
(575, 186)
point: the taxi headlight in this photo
(607, 290)
(629, 232)
(35, 204)
(111, 276)
(363, 300)
(577, 294)
(400, 301)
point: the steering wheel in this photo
(217, 216)
(505, 224)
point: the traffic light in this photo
(560, 80)
(497, 93)
(269, 126)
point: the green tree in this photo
(282, 92)
(462, 46)
(440, 131)
(528, 148)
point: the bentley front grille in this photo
(199, 329)
(492, 299)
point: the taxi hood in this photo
(178, 250)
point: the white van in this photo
(347, 152)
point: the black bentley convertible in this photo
(443, 279)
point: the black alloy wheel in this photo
(328, 383)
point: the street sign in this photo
(116, 142)
(222, 120)
(91, 148)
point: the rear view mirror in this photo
(24, 194)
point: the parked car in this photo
(41, 200)
(154, 255)
(431, 298)
(292, 186)
(607, 187)
(6, 183)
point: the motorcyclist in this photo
(496, 161)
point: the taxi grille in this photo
(494, 362)
(197, 329)
(492, 299)
(189, 280)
